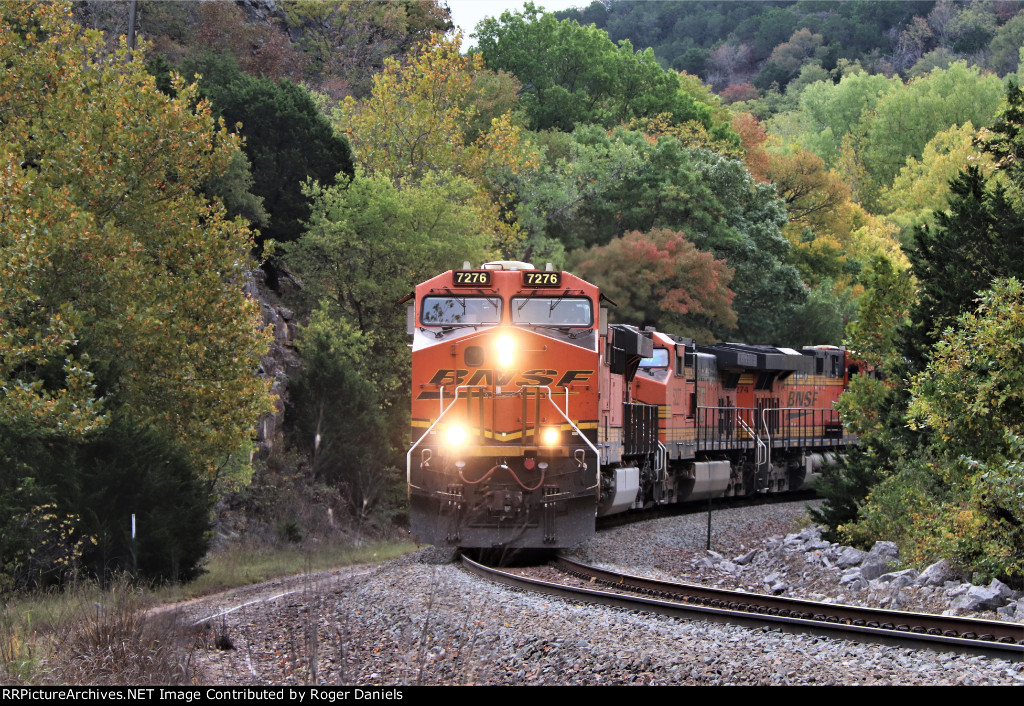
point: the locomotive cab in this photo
(505, 362)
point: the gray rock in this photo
(1013, 611)
(872, 568)
(850, 556)
(980, 598)
(879, 560)
(937, 574)
(956, 589)
(885, 551)
(898, 579)
(745, 559)
(1003, 591)
(851, 575)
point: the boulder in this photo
(849, 556)
(937, 574)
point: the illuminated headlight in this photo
(506, 346)
(550, 436)
(455, 435)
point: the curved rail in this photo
(913, 630)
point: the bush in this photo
(68, 504)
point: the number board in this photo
(542, 279)
(472, 278)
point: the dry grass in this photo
(88, 635)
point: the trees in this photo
(336, 413)
(945, 456)
(980, 238)
(122, 315)
(287, 139)
(830, 111)
(1005, 45)
(661, 279)
(370, 242)
(625, 181)
(346, 42)
(574, 74)
(417, 124)
(922, 186)
(117, 257)
(969, 400)
(904, 120)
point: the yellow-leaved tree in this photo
(121, 286)
(419, 121)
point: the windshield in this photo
(460, 311)
(552, 311)
(658, 360)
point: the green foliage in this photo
(663, 185)
(1005, 46)
(830, 111)
(922, 186)
(71, 503)
(904, 121)
(882, 312)
(287, 140)
(682, 32)
(336, 413)
(1005, 143)
(873, 406)
(844, 485)
(823, 315)
(346, 42)
(122, 287)
(418, 121)
(980, 238)
(129, 470)
(972, 391)
(38, 543)
(901, 507)
(952, 480)
(574, 74)
(962, 495)
(369, 242)
(972, 28)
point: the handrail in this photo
(761, 448)
(565, 416)
(551, 401)
(408, 454)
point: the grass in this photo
(246, 565)
(89, 634)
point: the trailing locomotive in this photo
(531, 415)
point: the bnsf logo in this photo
(802, 399)
(451, 377)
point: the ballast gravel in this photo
(420, 620)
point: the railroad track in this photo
(915, 630)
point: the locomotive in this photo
(531, 415)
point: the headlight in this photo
(506, 346)
(550, 436)
(455, 435)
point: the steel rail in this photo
(687, 601)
